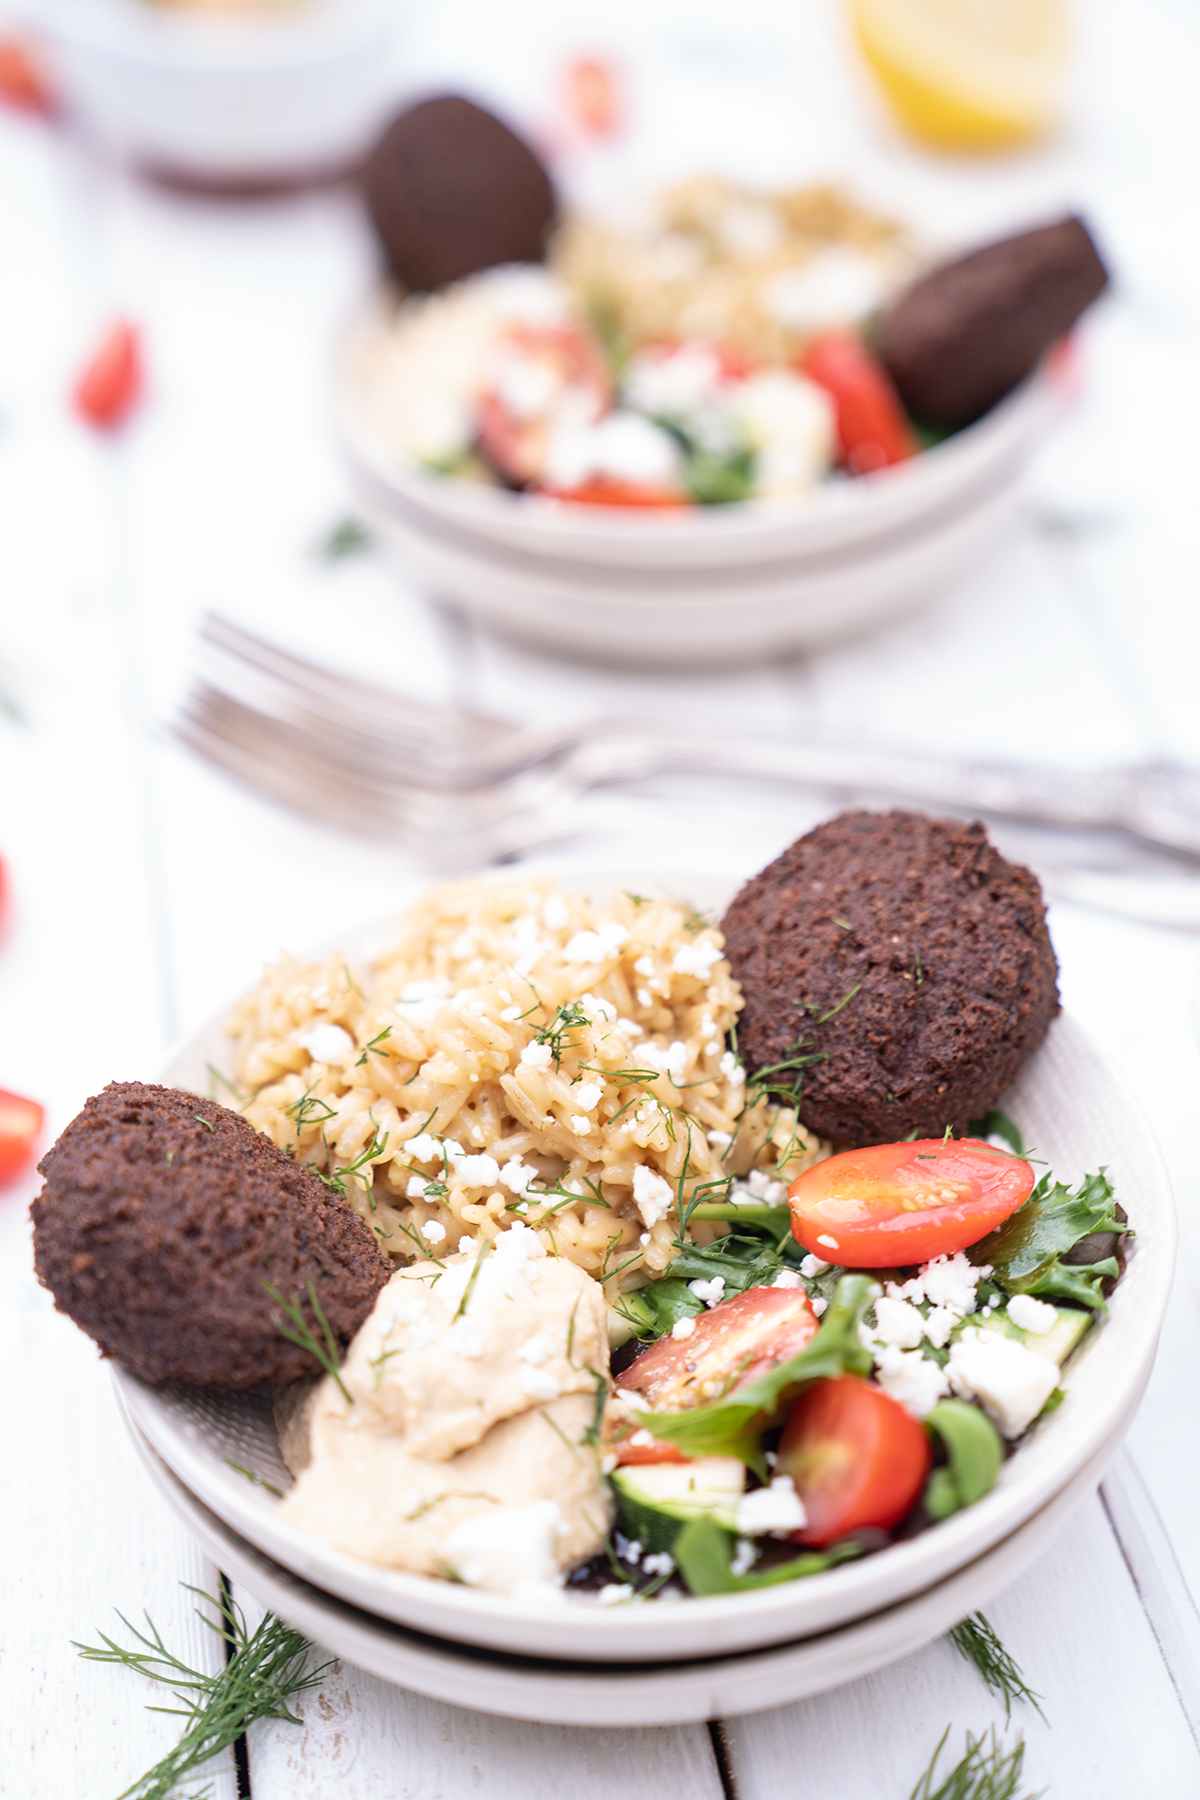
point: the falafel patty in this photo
(162, 1220)
(907, 958)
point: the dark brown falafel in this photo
(964, 335)
(451, 190)
(161, 1220)
(905, 955)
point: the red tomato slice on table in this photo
(111, 384)
(593, 96)
(20, 1122)
(731, 1345)
(895, 1204)
(855, 1456)
(872, 429)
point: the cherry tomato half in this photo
(658, 1450)
(732, 1344)
(856, 1458)
(906, 1203)
(20, 1122)
(616, 493)
(593, 96)
(533, 372)
(872, 429)
(111, 384)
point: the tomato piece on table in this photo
(894, 1204)
(872, 429)
(732, 1344)
(593, 96)
(111, 384)
(855, 1456)
(23, 83)
(20, 1123)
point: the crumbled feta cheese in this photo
(510, 1014)
(539, 1384)
(645, 997)
(644, 966)
(596, 946)
(556, 914)
(912, 1379)
(732, 1069)
(939, 1323)
(631, 1029)
(423, 1148)
(836, 286)
(1011, 1382)
(720, 1140)
(536, 1350)
(537, 1056)
(660, 1563)
(422, 1003)
(641, 1440)
(629, 1550)
(327, 1043)
(454, 1152)
(812, 1266)
(652, 1196)
(433, 1232)
(508, 1549)
(774, 1509)
(595, 1008)
(683, 1328)
(830, 1243)
(465, 1341)
(580, 1124)
(615, 1594)
(466, 1245)
(477, 1171)
(672, 1060)
(818, 1305)
(416, 1187)
(588, 1095)
(745, 1555)
(786, 1278)
(951, 1281)
(711, 1292)
(697, 958)
(1035, 1316)
(622, 446)
(517, 1176)
(898, 1323)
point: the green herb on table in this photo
(976, 1640)
(265, 1670)
(348, 538)
(988, 1771)
(298, 1331)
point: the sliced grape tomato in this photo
(20, 1123)
(855, 1456)
(729, 1346)
(895, 1204)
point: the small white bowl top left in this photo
(281, 93)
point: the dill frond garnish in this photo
(835, 1010)
(207, 1123)
(265, 1669)
(304, 1110)
(987, 1772)
(472, 1279)
(253, 1479)
(770, 1082)
(624, 1075)
(569, 1017)
(298, 1331)
(349, 537)
(592, 1434)
(977, 1641)
(337, 1180)
(215, 1076)
(376, 1040)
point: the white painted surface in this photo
(147, 888)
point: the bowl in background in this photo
(284, 93)
(695, 586)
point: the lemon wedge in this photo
(967, 74)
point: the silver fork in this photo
(459, 789)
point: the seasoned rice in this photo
(519, 1051)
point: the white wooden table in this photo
(148, 890)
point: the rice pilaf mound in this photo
(519, 1052)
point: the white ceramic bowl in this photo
(1079, 1116)
(274, 96)
(705, 585)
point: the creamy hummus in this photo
(464, 1449)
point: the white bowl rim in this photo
(1028, 1480)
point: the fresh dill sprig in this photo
(337, 1180)
(977, 1641)
(472, 1279)
(207, 1123)
(376, 1040)
(298, 1331)
(770, 1081)
(265, 1669)
(304, 1110)
(349, 537)
(569, 1017)
(215, 1076)
(253, 1479)
(987, 1772)
(620, 1075)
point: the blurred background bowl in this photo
(698, 586)
(290, 92)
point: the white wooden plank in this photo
(1077, 1628)
(378, 1742)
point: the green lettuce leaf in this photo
(975, 1453)
(703, 1552)
(1028, 1252)
(731, 1425)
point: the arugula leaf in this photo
(973, 1446)
(1030, 1251)
(731, 1425)
(703, 1552)
(654, 1309)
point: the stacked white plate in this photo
(656, 1663)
